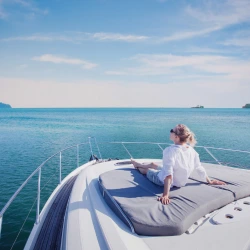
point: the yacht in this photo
(107, 204)
(198, 107)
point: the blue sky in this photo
(140, 53)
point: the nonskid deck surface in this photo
(51, 231)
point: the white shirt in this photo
(180, 161)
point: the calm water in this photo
(29, 136)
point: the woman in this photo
(179, 161)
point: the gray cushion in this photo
(137, 198)
(238, 181)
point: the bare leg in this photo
(143, 166)
(143, 170)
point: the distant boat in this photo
(198, 107)
(247, 106)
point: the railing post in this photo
(60, 169)
(38, 197)
(91, 148)
(98, 149)
(77, 154)
(1, 221)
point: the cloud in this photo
(64, 60)
(240, 39)
(206, 50)
(31, 7)
(78, 37)
(177, 67)
(213, 16)
(118, 37)
(25, 5)
(244, 42)
(221, 13)
(38, 38)
(188, 34)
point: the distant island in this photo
(3, 105)
(198, 107)
(247, 106)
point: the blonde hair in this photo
(185, 134)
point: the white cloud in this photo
(239, 38)
(241, 42)
(38, 38)
(213, 16)
(24, 3)
(203, 66)
(65, 60)
(118, 37)
(78, 37)
(26, 7)
(221, 13)
(188, 34)
(29, 5)
(206, 50)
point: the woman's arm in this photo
(202, 172)
(165, 197)
(199, 168)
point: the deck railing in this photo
(90, 141)
(39, 171)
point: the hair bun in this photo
(185, 134)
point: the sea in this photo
(30, 136)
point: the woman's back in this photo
(180, 161)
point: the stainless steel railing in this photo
(90, 141)
(39, 171)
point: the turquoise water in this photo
(29, 136)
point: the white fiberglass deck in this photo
(91, 224)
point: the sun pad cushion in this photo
(137, 198)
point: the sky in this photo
(125, 53)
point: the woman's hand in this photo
(167, 183)
(216, 182)
(164, 199)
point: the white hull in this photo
(90, 223)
